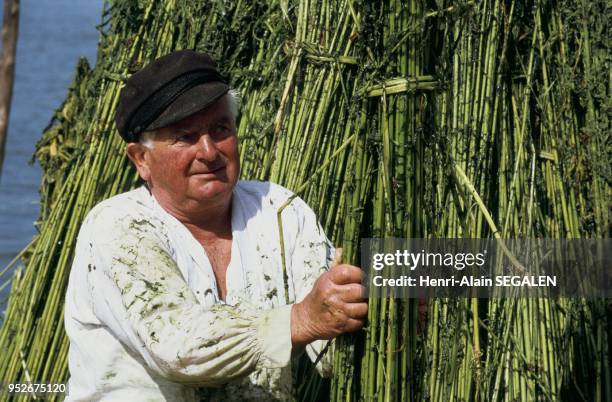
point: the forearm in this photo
(214, 346)
(299, 334)
(319, 350)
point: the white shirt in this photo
(144, 317)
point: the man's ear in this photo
(137, 154)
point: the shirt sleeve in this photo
(313, 254)
(143, 298)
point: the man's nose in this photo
(207, 149)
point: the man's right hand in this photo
(335, 305)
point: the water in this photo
(52, 36)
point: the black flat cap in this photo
(167, 90)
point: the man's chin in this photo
(212, 190)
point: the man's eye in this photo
(187, 137)
(223, 129)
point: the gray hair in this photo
(232, 98)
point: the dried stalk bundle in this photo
(391, 119)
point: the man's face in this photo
(195, 159)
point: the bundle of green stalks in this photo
(414, 119)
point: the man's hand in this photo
(335, 305)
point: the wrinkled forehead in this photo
(218, 112)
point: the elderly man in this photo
(179, 284)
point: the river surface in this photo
(53, 34)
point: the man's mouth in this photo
(210, 172)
